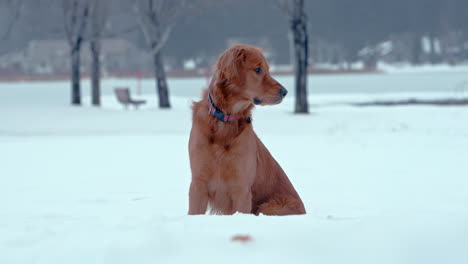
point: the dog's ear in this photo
(230, 66)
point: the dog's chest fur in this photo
(228, 158)
(231, 164)
(233, 153)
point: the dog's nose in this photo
(283, 91)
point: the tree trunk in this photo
(299, 31)
(95, 73)
(75, 75)
(161, 83)
(370, 60)
(416, 49)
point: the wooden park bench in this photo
(123, 96)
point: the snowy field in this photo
(380, 184)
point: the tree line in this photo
(336, 32)
(86, 20)
(155, 19)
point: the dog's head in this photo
(243, 72)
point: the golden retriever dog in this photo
(232, 171)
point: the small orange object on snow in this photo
(242, 238)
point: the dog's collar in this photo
(220, 115)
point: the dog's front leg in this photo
(198, 198)
(242, 200)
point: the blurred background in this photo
(343, 36)
(95, 116)
(58, 40)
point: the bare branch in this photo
(76, 14)
(98, 15)
(286, 7)
(143, 26)
(66, 23)
(162, 41)
(84, 19)
(156, 19)
(16, 10)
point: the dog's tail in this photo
(282, 205)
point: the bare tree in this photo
(298, 26)
(98, 14)
(75, 13)
(156, 19)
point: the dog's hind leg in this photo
(282, 205)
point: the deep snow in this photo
(381, 185)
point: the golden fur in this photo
(232, 171)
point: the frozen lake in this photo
(447, 82)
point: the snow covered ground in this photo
(381, 185)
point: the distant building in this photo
(53, 57)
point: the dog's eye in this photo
(258, 70)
